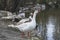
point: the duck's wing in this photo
(24, 21)
(17, 26)
(24, 25)
(28, 21)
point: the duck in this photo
(21, 15)
(9, 16)
(28, 26)
(17, 18)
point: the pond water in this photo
(50, 24)
(50, 29)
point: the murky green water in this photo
(49, 23)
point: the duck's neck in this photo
(34, 17)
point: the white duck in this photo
(9, 16)
(28, 26)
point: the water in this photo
(50, 25)
(50, 29)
